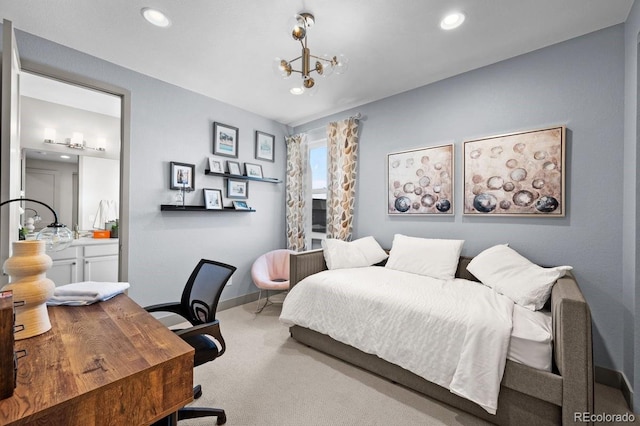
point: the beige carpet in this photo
(267, 378)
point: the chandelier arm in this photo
(319, 58)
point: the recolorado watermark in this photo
(586, 417)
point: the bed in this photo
(557, 383)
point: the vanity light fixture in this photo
(155, 17)
(76, 141)
(323, 65)
(452, 21)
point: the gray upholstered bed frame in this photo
(527, 395)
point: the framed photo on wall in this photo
(233, 167)
(182, 175)
(215, 165)
(212, 199)
(225, 140)
(237, 188)
(420, 181)
(265, 146)
(517, 174)
(253, 170)
(240, 205)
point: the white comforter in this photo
(452, 333)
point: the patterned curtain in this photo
(341, 177)
(298, 182)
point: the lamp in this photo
(36, 217)
(29, 223)
(56, 236)
(324, 65)
(76, 141)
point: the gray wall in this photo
(578, 83)
(172, 124)
(631, 260)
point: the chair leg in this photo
(266, 302)
(195, 412)
(197, 391)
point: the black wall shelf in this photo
(174, 208)
(228, 175)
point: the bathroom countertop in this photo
(88, 241)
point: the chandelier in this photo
(323, 65)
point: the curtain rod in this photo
(357, 116)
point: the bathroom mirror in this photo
(70, 141)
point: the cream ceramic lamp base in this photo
(30, 286)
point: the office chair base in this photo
(195, 412)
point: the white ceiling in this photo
(225, 49)
(35, 86)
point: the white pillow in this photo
(507, 272)
(430, 257)
(342, 254)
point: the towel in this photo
(107, 212)
(85, 293)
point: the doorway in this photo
(56, 100)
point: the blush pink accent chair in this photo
(271, 272)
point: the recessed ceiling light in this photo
(65, 157)
(296, 90)
(452, 20)
(155, 17)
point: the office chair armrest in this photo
(173, 307)
(210, 328)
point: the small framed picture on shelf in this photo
(182, 175)
(233, 167)
(237, 188)
(215, 165)
(253, 170)
(265, 146)
(212, 199)
(240, 205)
(225, 140)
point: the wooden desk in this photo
(110, 363)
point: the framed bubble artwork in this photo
(420, 181)
(518, 174)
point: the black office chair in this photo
(198, 306)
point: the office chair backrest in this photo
(202, 292)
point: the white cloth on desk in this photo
(85, 293)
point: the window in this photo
(318, 166)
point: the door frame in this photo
(125, 149)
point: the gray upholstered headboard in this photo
(312, 261)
